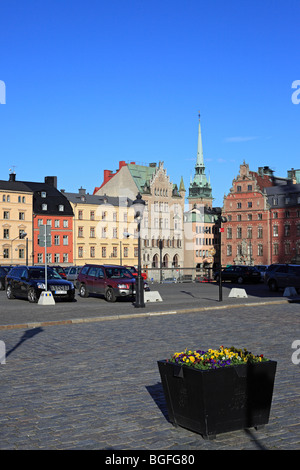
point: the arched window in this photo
(155, 261)
(175, 261)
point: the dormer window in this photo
(43, 194)
(61, 207)
(44, 207)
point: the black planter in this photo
(215, 401)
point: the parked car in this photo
(262, 269)
(72, 272)
(29, 282)
(134, 272)
(60, 270)
(239, 274)
(280, 276)
(112, 281)
(4, 270)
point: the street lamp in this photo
(219, 219)
(139, 206)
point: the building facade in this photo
(26, 206)
(162, 230)
(16, 202)
(262, 219)
(101, 228)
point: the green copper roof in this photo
(141, 175)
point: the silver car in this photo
(72, 272)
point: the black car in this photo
(280, 276)
(29, 282)
(4, 270)
(239, 274)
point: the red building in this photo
(52, 208)
(263, 219)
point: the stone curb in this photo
(134, 315)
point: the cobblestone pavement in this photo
(96, 385)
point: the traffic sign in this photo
(45, 235)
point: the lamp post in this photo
(219, 219)
(139, 206)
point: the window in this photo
(287, 249)
(229, 218)
(49, 222)
(287, 214)
(92, 232)
(80, 215)
(80, 251)
(6, 215)
(259, 232)
(66, 223)
(56, 258)
(40, 222)
(125, 253)
(229, 232)
(40, 257)
(115, 252)
(43, 194)
(259, 216)
(103, 232)
(229, 250)
(104, 252)
(249, 204)
(21, 215)
(49, 257)
(275, 249)
(56, 223)
(249, 187)
(3, 198)
(92, 215)
(275, 201)
(260, 249)
(56, 240)
(275, 230)
(135, 251)
(65, 257)
(61, 207)
(6, 253)
(287, 230)
(104, 215)
(249, 216)
(239, 205)
(239, 217)
(275, 215)
(80, 231)
(249, 232)
(239, 232)
(239, 189)
(44, 207)
(21, 253)
(6, 233)
(65, 240)
(115, 233)
(92, 252)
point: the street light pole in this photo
(139, 206)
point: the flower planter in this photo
(215, 401)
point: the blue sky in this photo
(89, 83)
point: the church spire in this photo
(200, 188)
(200, 161)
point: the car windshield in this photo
(39, 273)
(118, 272)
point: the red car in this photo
(134, 272)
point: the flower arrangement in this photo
(215, 358)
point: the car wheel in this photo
(240, 280)
(273, 286)
(32, 296)
(110, 295)
(83, 292)
(9, 293)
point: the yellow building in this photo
(16, 222)
(104, 230)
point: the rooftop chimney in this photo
(51, 180)
(12, 177)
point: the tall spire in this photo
(200, 187)
(200, 161)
